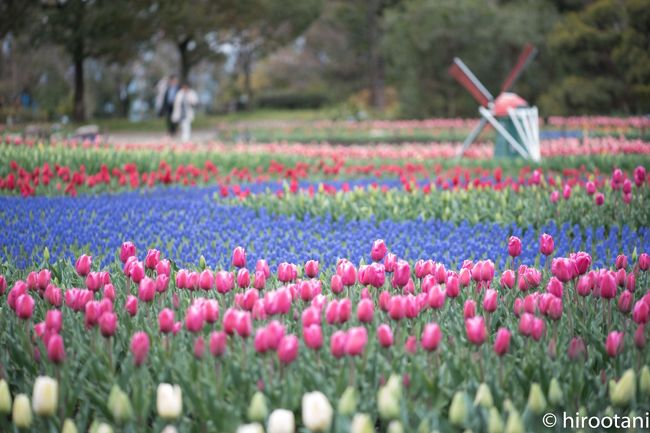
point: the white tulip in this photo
(169, 429)
(316, 411)
(361, 423)
(169, 402)
(281, 421)
(104, 428)
(250, 428)
(21, 413)
(45, 396)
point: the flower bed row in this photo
(142, 345)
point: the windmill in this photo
(514, 121)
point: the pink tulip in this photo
(599, 199)
(590, 187)
(538, 329)
(42, 279)
(239, 257)
(127, 250)
(225, 281)
(54, 296)
(54, 321)
(641, 312)
(526, 323)
(206, 280)
(384, 335)
(348, 273)
(378, 250)
(161, 283)
(146, 289)
(243, 278)
(166, 321)
(397, 307)
(464, 276)
(630, 283)
(92, 313)
(390, 262)
(546, 244)
(259, 280)
(607, 285)
(139, 347)
(313, 336)
(452, 286)
(163, 267)
(508, 279)
(131, 305)
(199, 347)
(475, 329)
(218, 341)
(152, 259)
(356, 341)
(402, 274)
(625, 302)
(260, 342)
(336, 284)
(365, 311)
(614, 343)
(244, 325)
(3, 285)
(411, 345)
(639, 337)
(93, 281)
(288, 349)
(555, 287)
(182, 277)
(194, 319)
(137, 271)
(469, 309)
(287, 272)
(24, 306)
(582, 261)
(514, 246)
(621, 261)
(108, 324)
(436, 297)
(490, 300)
(563, 269)
(639, 175)
(263, 266)
(431, 336)
(566, 192)
(577, 349)
(311, 268)
(337, 343)
(555, 196)
(502, 342)
(555, 308)
(55, 349)
(83, 264)
(209, 309)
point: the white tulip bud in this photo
(45, 396)
(169, 402)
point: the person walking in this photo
(167, 90)
(183, 112)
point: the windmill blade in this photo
(527, 55)
(472, 136)
(468, 80)
(504, 133)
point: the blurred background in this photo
(80, 61)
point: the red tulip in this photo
(140, 347)
(311, 268)
(514, 246)
(313, 336)
(83, 264)
(55, 349)
(431, 336)
(288, 349)
(502, 342)
(166, 321)
(218, 341)
(614, 343)
(239, 257)
(108, 324)
(378, 250)
(385, 335)
(475, 329)
(546, 244)
(131, 305)
(127, 250)
(365, 311)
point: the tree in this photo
(89, 29)
(602, 51)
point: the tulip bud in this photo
(555, 396)
(536, 399)
(388, 398)
(348, 401)
(495, 423)
(395, 427)
(250, 428)
(45, 396)
(257, 410)
(169, 402)
(5, 397)
(625, 389)
(69, 426)
(514, 423)
(281, 421)
(119, 405)
(22, 413)
(644, 381)
(458, 409)
(361, 423)
(483, 396)
(101, 427)
(316, 412)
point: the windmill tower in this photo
(516, 123)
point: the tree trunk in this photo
(185, 60)
(248, 87)
(375, 59)
(79, 109)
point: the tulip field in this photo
(305, 287)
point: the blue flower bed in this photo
(187, 223)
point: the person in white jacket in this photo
(183, 112)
